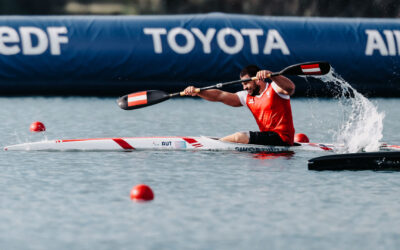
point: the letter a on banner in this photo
(375, 42)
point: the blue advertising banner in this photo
(114, 55)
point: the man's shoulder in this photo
(276, 89)
(242, 96)
(242, 92)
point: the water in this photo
(203, 200)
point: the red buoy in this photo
(37, 127)
(301, 138)
(142, 193)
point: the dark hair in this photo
(250, 70)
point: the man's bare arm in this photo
(286, 86)
(215, 95)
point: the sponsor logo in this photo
(230, 41)
(30, 40)
(262, 149)
(385, 44)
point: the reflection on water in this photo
(270, 156)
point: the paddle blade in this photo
(309, 68)
(142, 99)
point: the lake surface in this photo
(203, 200)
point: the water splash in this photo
(362, 124)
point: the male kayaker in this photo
(268, 101)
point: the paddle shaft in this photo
(221, 85)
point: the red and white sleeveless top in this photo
(271, 110)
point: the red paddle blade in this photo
(309, 68)
(142, 99)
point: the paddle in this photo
(150, 97)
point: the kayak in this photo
(199, 143)
(190, 143)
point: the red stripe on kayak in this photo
(123, 143)
(325, 148)
(92, 139)
(390, 146)
(321, 146)
(119, 141)
(189, 140)
(193, 142)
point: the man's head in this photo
(250, 70)
(252, 87)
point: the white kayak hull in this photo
(158, 143)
